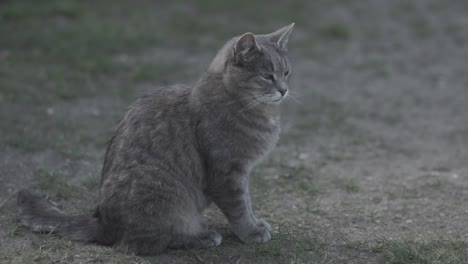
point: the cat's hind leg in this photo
(192, 231)
(204, 239)
(149, 244)
(183, 231)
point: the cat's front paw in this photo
(260, 233)
(261, 222)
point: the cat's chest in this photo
(253, 140)
(274, 122)
(244, 138)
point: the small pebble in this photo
(50, 111)
(303, 156)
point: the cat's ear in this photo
(246, 44)
(281, 36)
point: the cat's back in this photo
(157, 126)
(157, 113)
(154, 103)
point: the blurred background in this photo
(372, 163)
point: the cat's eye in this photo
(268, 77)
(286, 73)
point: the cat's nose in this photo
(282, 91)
(282, 87)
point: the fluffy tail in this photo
(42, 216)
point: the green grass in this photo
(50, 249)
(64, 50)
(290, 179)
(12, 227)
(35, 130)
(348, 185)
(64, 54)
(61, 53)
(300, 260)
(420, 27)
(54, 184)
(423, 252)
(336, 32)
(377, 67)
(21, 10)
(283, 247)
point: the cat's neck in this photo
(210, 90)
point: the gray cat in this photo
(179, 148)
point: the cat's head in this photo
(256, 66)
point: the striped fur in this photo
(178, 149)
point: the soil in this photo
(374, 145)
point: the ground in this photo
(372, 166)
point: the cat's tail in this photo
(42, 216)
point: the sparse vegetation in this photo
(53, 183)
(423, 252)
(374, 105)
(349, 185)
(336, 32)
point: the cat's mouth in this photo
(278, 98)
(270, 98)
(276, 101)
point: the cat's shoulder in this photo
(160, 102)
(166, 90)
(163, 95)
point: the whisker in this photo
(252, 104)
(293, 94)
(247, 106)
(258, 102)
(244, 98)
(295, 99)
